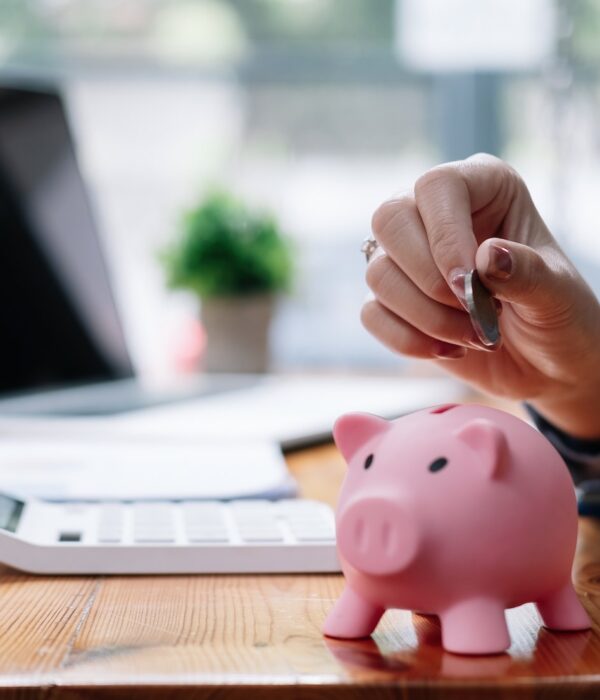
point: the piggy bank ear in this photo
(351, 431)
(488, 441)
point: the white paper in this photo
(98, 469)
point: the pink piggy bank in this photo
(458, 511)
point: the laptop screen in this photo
(58, 320)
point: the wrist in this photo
(577, 415)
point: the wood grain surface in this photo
(259, 636)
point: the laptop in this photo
(63, 349)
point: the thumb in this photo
(516, 273)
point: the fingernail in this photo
(456, 280)
(475, 341)
(447, 351)
(500, 263)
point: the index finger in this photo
(448, 197)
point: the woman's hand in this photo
(478, 212)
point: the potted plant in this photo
(237, 262)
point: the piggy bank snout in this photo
(377, 535)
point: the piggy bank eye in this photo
(369, 461)
(438, 464)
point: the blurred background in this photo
(317, 110)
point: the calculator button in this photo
(153, 524)
(261, 536)
(154, 537)
(152, 512)
(259, 528)
(111, 516)
(314, 536)
(204, 522)
(69, 536)
(256, 522)
(309, 523)
(190, 507)
(207, 536)
(110, 537)
(110, 524)
(199, 517)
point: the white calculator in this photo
(167, 537)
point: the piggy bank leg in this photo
(563, 611)
(352, 617)
(475, 627)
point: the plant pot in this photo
(237, 333)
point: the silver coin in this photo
(482, 310)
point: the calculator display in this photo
(10, 512)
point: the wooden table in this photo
(259, 636)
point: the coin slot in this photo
(444, 408)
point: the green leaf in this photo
(226, 249)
